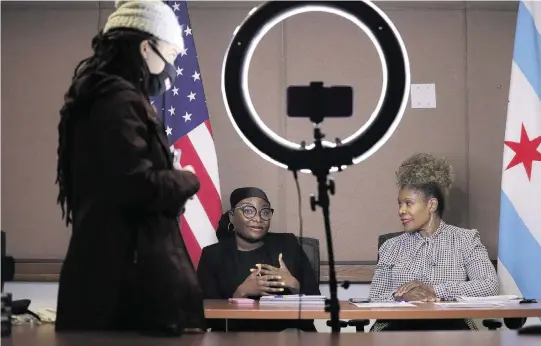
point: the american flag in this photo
(184, 111)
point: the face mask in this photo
(160, 83)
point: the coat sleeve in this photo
(208, 275)
(122, 136)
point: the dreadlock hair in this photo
(432, 176)
(117, 53)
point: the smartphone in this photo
(316, 101)
(359, 300)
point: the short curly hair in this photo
(428, 173)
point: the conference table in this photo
(222, 309)
(44, 335)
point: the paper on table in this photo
(385, 305)
(471, 304)
(502, 298)
(292, 302)
(293, 297)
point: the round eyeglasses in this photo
(249, 212)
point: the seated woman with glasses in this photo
(250, 262)
(431, 260)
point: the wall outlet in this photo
(423, 95)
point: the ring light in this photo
(355, 148)
(320, 157)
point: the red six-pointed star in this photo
(525, 151)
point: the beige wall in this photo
(465, 49)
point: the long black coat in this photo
(126, 266)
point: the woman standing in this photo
(126, 267)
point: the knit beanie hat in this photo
(151, 16)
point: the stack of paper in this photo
(492, 304)
(293, 299)
(493, 299)
(385, 305)
(481, 302)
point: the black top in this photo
(222, 268)
(247, 260)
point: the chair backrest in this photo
(3, 246)
(384, 237)
(311, 248)
(8, 264)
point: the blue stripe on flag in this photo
(527, 51)
(519, 251)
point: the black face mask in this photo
(160, 83)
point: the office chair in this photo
(20, 306)
(8, 263)
(311, 249)
(360, 324)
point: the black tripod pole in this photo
(333, 305)
(322, 173)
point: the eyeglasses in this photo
(249, 212)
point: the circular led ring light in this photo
(352, 150)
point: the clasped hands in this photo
(267, 280)
(416, 291)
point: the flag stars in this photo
(179, 71)
(175, 91)
(169, 131)
(171, 111)
(176, 7)
(191, 96)
(187, 117)
(525, 151)
(188, 31)
(196, 76)
(184, 52)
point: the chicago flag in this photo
(519, 249)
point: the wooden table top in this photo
(45, 335)
(226, 310)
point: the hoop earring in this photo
(230, 229)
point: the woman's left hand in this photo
(287, 278)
